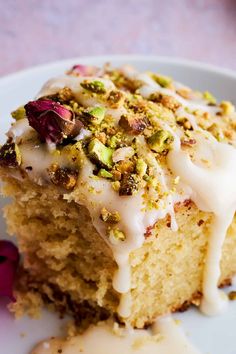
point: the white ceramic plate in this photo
(210, 335)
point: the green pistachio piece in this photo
(116, 186)
(100, 153)
(112, 218)
(162, 80)
(19, 113)
(74, 152)
(160, 140)
(116, 235)
(94, 86)
(95, 114)
(227, 108)
(104, 173)
(128, 185)
(10, 155)
(141, 167)
(209, 97)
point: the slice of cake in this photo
(124, 193)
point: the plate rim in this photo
(178, 61)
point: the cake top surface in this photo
(121, 121)
(129, 146)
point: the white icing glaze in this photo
(21, 130)
(210, 185)
(54, 85)
(84, 133)
(101, 194)
(150, 86)
(214, 190)
(165, 337)
(147, 90)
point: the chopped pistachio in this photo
(65, 94)
(141, 167)
(100, 153)
(166, 100)
(153, 182)
(162, 80)
(125, 166)
(209, 97)
(216, 131)
(116, 175)
(184, 92)
(160, 141)
(232, 295)
(19, 113)
(116, 235)
(104, 173)
(101, 136)
(116, 186)
(73, 152)
(184, 122)
(94, 86)
(109, 217)
(227, 108)
(10, 155)
(115, 98)
(95, 114)
(115, 141)
(128, 185)
(133, 124)
(63, 177)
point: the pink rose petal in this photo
(9, 260)
(84, 70)
(52, 121)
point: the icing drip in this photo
(165, 337)
(150, 86)
(101, 194)
(207, 177)
(215, 301)
(54, 85)
(214, 190)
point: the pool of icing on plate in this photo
(211, 186)
(165, 337)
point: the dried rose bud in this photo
(10, 155)
(83, 70)
(9, 259)
(52, 121)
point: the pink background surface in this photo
(38, 31)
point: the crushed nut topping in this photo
(128, 185)
(10, 155)
(160, 141)
(119, 128)
(63, 177)
(110, 217)
(94, 86)
(232, 295)
(167, 101)
(133, 124)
